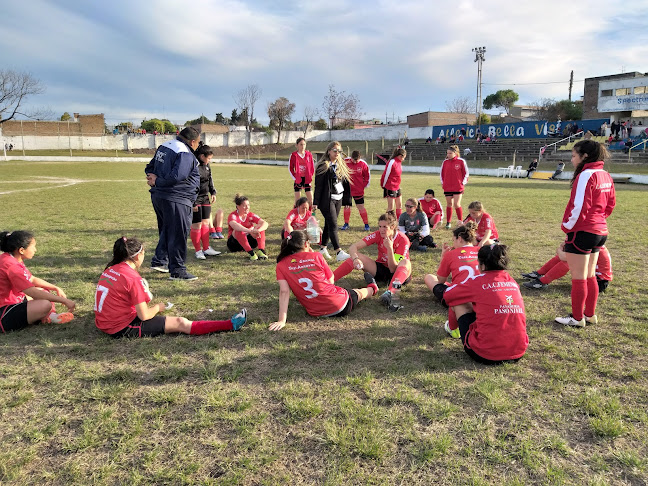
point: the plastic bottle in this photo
(313, 230)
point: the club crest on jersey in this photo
(293, 260)
(509, 299)
(462, 251)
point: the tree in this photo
(340, 106)
(245, 100)
(65, 116)
(161, 126)
(279, 112)
(463, 104)
(235, 117)
(201, 120)
(15, 89)
(550, 109)
(220, 119)
(310, 112)
(320, 124)
(504, 98)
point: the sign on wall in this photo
(623, 103)
(532, 129)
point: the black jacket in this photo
(324, 188)
(206, 185)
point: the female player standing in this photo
(122, 296)
(454, 175)
(297, 218)
(390, 181)
(360, 179)
(246, 230)
(301, 169)
(200, 223)
(306, 273)
(486, 231)
(25, 299)
(592, 200)
(432, 208)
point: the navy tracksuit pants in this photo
(174, 222)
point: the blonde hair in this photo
(323, 164)
(455, 149)
(476, 206)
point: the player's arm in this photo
(38, 293)
(236, 226)
(353, 249)
(261, 225)
(284, 298)
(487, 235)
(44, 284)
(144, 312)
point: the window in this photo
(606, 92)
(623, 91)
(641, 90)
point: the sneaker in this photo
(219, 235)
(386, 298)
(591, 320)
(213, 235)
(211, 252)
(239, 320)
(421, 248)
(62, 318)
(342, 255)
(535, 284)
(182, 276)
(261, 254)
(367, 228)
(448, 226)
(200, 255)
(254, 257)
(453, 332)
(344, 227)
(160, 268)
(325, 253)
(570, 321)
(394, 307)
(531, 275)
(434, 245)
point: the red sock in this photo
(448, 213)
(343, 270)
(459, 212)
(400, 274)
(399, 212)
(559, 270)
(204, 236)
(435, 220)
(578, 297)
(195, 238)
(211, 228)
(219, 229)
(373, 287)
(205, 327)
(549, 265)
(347, 214)
(261, 240)
(364, 216)
(592, 296)
(452, 320)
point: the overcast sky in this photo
(172, 59)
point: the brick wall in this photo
(436, 118)
(86, 125)
(591, 94)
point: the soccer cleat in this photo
(183, 276)
(591, 320)
(211, 252)
(453, 332)
(261, 254)
(448, 226)
(213, 235)
(62, 318)
(434, 245)
(160, 268)
(219, 235)
(367, 228)
(531, 275)
(386, 298)
(239, 320)
(421, 248)
(570, 321)
(254, 257)
(342, 255)
(535, 284)
(344, 227)
(200, 255)
(325, 253)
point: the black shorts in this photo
(13, 317)
(352, 301)
(438, 290)
(464, 325)
(233, 245)
(138, 328)
(203, 212)
(383, 275)
(388, 193)
(602, 284)
(358, 199)
(298, 186)
(584, 243)
(450, 194)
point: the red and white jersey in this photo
(401, 246)
(15, 278)
(301, 166)
(429, 208)
(119, 290)
(249, 222)
(309, 277)
(592, 201)
(459, 264)
(604, 265)
(360, 176)
(499, 332)
(485, 223)
(296, 221)
(391, 176)
(454, 174)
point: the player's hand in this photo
(389, 244)
(70, 304)
(161, 307)
(195, 209)
(446, 248)
(150, 179)
(314, 208)
(276, 326)
(59, 291)
(357, 264)
(254, 232)
(212, 198)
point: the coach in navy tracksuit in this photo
(173, 176)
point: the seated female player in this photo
(297, 217)
(486, 233)
(458, 263)
(122, 297)
(25, 299)
(432, 209)
(414, 224)
(306, 273)
(490, 310)
(246, 230)
(393, 262)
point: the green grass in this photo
(374, 398)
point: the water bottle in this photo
(395, 304)
(313, 230)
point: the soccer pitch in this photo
(374, 398)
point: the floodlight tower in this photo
(479, 59)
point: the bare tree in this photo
(463, 104)
(310, 114)
(245, 100)
(280, 112)
(15, 88)
(340, 106)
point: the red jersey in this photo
(604, 265)
(296, 221)
(485, 223)
(301, 166)
(459, 264)
(15, 278)
(454, 174)
(391, 177)
(592, 201)
(499, 332)
(309, 277)
(401, 246)
(249, 221)
(119, 290)
(429, 208)
(360, 176)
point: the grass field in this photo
(374, 398)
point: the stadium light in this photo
(479, 59)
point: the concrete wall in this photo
(85, 125)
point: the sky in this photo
(133, 60)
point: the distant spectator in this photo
(558, 124)
(429, 140)
(588, 135)
(460, 138)
(453, 139)
(467, 151)
(463, 132)
(604, 129)
(438, 140)
(406, 142)
(629, 128)
(533, 166)
(628, 144)
(559, 168)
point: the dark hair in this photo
(493, 257)
(125, 249)
(355, 155)
(240, 199)
(11, 241)
(476, 205)
(466, 231)
(301, 201)
(591, 151)
(299, 140)
(205, 150)
(293, 243)
(190, 133)
(390, 217)
(430, 191)
(398, 151)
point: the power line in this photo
(527, 84)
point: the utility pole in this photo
(571, 83)
(479, 59)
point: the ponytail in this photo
(466, 231)
(293, 243)
(493, 257)
(125, 249)
(390, 217)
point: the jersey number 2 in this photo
(308, 287)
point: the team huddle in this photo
(485, 307)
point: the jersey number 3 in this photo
(308, 287)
